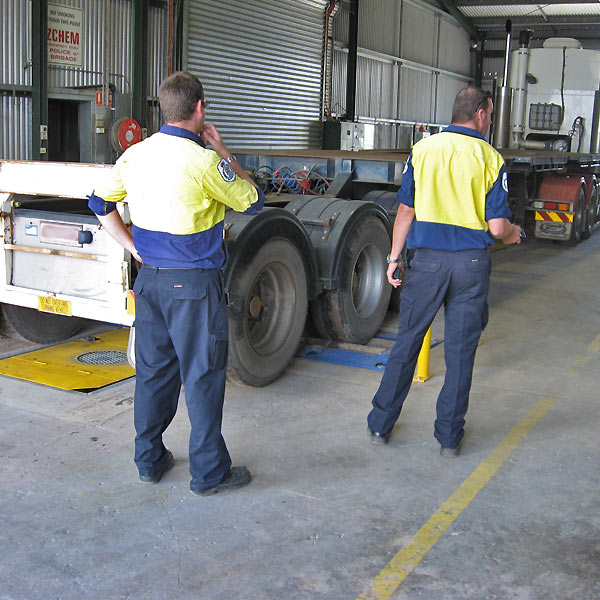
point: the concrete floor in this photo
(327, 511)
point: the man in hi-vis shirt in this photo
(452, 202)
(177, 191)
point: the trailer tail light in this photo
(538, 204)
(62, 234)
(564, 207)
(551, 205)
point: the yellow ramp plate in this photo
(83, 365)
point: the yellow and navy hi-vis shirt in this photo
(456, 182)
(177, 191)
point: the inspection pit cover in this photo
(82, 365)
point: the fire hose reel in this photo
(124, 133)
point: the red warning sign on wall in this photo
(65, 26)
(100, 98)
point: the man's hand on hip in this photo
(394, 278)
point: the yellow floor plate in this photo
(66, 366)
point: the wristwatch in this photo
(230, 159)
(391, 261)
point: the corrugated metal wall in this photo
(15, 72)
(413, 59)
(106, 51)
(261, 66)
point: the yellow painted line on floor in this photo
(589, 354)
(398, 569)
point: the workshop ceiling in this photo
(553, 18)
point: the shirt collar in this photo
(464, 131)
(181, 132)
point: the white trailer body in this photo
(57, 261)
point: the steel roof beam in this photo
(460, 3)
(467, 25)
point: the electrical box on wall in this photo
(346, 135)
(96, 131)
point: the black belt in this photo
(145, 266)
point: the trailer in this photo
(306, 257)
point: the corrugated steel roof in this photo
(531, 10)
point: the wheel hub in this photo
(254, 307)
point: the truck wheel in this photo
(578, 227)
(590, 216)
(355, 310)
(267, 314)
(38, 327)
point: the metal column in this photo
(352, 58)
(39, 80)
(140, 62)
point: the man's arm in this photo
(505, 231)
(211, 136)
(114, 225)
(402, 224)
(497, 211)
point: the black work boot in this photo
(236, 478)
(155, 477)
(379, 439)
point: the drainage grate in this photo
(106, 357)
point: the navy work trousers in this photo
(181, 337)
(460, 281)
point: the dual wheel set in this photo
(319, 263)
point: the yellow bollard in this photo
(423, 373)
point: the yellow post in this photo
(423, 373)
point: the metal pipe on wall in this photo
(503, 100)
(352, 61)
(507, 51)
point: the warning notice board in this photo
(64, 35)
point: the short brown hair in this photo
(178, 95)
(467, 102)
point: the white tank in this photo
(545, 78)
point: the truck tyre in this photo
(41, 328)
(578, 227)
(355, 310)
(591, 213)
(267, 313)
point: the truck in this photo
(314, 259)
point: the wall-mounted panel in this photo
(15, 41)
(261, 66)
(338, 77)
(158, 53)
(454, 48)
(447, 88)
(419, 34)
(15, 132)
(415, 100)
(379, 23)
(375, 88)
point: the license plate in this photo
(54, 305)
